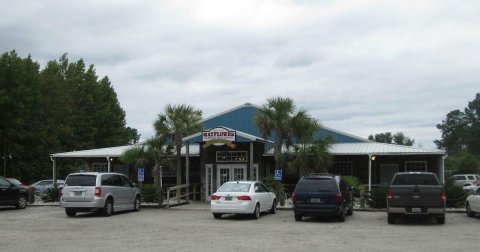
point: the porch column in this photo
(369, 172)
(187, 164)
(54, 161)
(441, 169)
(251, 161)
(108, 160)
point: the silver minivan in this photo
(93, 191)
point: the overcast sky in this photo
(362, 67)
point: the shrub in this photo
(378, 197)
(455, 194)
(149, 193)
(51, 195)
(355, 183)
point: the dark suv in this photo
(322, 195)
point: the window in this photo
(341, 168)
(413, 166)
(100, 167)
(81, 180)
(231, 156)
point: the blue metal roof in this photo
(242, 119)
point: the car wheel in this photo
(136, 204)
(341, 217)
(70, 212)
(391, 218)
(350, 211)
(217, 215)
(298, 217)
(441, 219)
(108, 208)
(273, 210)
(470, 213)
(22, 202)
(256, 212)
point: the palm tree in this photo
(309, 154)
(153, 150)
(275, 117)
(176, 123)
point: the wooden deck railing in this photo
(181, 194)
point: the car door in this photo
(128, 192)
(261, 195)
(5, 191)
(116, 190)
(475, 204)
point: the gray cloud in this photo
(361, 67)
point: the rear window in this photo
(235, 187)
(81, 180)
(316, 185)
(415, 179)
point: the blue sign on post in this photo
(141, 174)
(278, 175)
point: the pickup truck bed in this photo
(414, 194)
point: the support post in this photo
(108, 160)
(54, 170)
(251, 161)
(187, 169)
(369, 172)
(441, 172)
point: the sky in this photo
(362, 67)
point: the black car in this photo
(322, 195)
(12, 194)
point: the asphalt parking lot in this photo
(193, 228)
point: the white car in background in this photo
(42, 185)
(243, 197)
(472, 204)
(471, 187)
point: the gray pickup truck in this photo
(416, 194)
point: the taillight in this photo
(294, 198)
(443, 197)
(389, 196)
(338, 198)
(98, 191)
(244, 197)
(215, 197)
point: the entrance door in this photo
(230, 172)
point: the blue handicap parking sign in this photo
(141, 174)
(278, 175)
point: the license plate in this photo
(316, 200)
(228, 197)
(416, 210)
(77, 193)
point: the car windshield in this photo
(415, 179)
(316, 185)
(81, 180)
(15, 181)
(235, 187)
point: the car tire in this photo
(108, 208)
(217, 215)
(350, 211)
(392, 218)
(21, 202)
(341, 217)
(70, 212)
(441, 219)
(256, 211)
(273, 210)
(136, 204)
(298, 217)
(469, 211)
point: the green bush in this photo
(51, 195)
(355, 183)
(455, 194)
(149, 193)
(378, 197)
